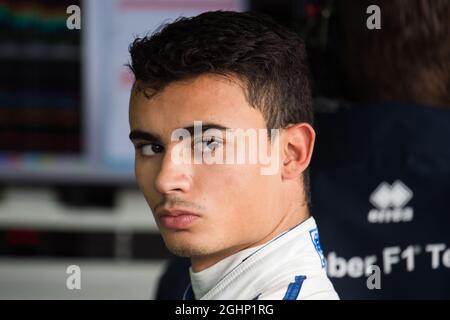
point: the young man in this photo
(247, 230)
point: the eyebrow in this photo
(149, 136)
(143, 135)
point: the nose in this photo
(174, 176)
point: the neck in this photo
(290, 220)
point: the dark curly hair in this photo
(268, 59)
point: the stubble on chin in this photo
(185, 249)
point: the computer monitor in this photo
(64, 92)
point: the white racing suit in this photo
(290, 267)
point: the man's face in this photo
(234, 205)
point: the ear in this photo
(297, 148)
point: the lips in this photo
(177, 219)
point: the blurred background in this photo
(67, 188)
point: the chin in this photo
(182, 246)
(186, 251)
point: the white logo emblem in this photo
(390, 202)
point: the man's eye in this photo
(208, 144)
(150, 149)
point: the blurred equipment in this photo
(64, 93)
(40, 90)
